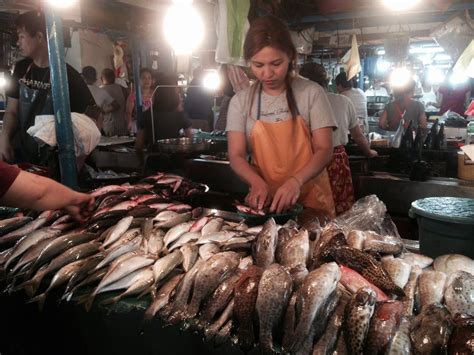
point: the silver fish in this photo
(213, 226)
(165, 215)
(431, 287)
(185, 239)
(265, 245)
(174, 221)
(384, 244)
(129, 235)
(176, 232)
(163, 296)
(274, 291)
(121, 227)
(214, 271)
(29, 240)
(217, 237)
(190, 255)
(141, 282)
(163, 266)
(35, 224)
(459, 295)
(398, 270)
(113, 254)
(206, 251)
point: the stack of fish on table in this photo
(299, 289)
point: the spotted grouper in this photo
(368, 267)
(359, 311)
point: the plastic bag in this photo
(86, 133)
(367, 213)
(396, 139)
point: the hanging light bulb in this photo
(62, 3)
(400, 5)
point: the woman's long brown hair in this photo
(270, 31)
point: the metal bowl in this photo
(182, 145)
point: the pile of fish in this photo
(307, 289)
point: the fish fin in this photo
(40, 299)
(112, 300)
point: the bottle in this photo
(439, 142)
(432, 136)
(470, 133)
(407, 139)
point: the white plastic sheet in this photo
(86, 133)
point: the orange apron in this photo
(280, 150)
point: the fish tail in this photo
(149, 314)
(111, 301)
(40, 299)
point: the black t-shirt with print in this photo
(39, 78)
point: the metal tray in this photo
(182, 145)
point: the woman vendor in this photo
(285, 121)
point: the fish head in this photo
(365, 297)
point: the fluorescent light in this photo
(400, 5)
(400, 77)
(425, 50)
(3, 82)
(381, 52)
(183, 27)
(62, 3)
(211, 80)
(183, 2)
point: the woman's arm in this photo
(361, 141)
(383, 122)
(40, 193)
(288, 193)
(259, 193)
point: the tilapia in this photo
(431, 287)
(155, 242)
(265, 245)
(430, 330)
(383, 326)
(367, 266)
(185, 239)
(400, 343)
(217, 237)
(246, 290)
(163, 266)
(451, 263)
(199, 224)
(212, 226)
(398, 270)
(214, 271)
(461, 341)
(296, 251)
(163, 296)
(459, 295)
(165, 215)
(312, 294)
(175, 232)
(359, 311)
(274, 291)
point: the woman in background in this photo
(115, 123)
(146, 89)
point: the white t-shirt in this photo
(101, 97)
(311, 100)
(346, 118)
(359, 100)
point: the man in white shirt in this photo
(104, 101)
(357, 96)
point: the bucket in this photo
(445, 225)
(465, 167)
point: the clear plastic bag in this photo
(368, 213)
(396, 139)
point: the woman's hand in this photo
(259, 195)
(286, 195)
